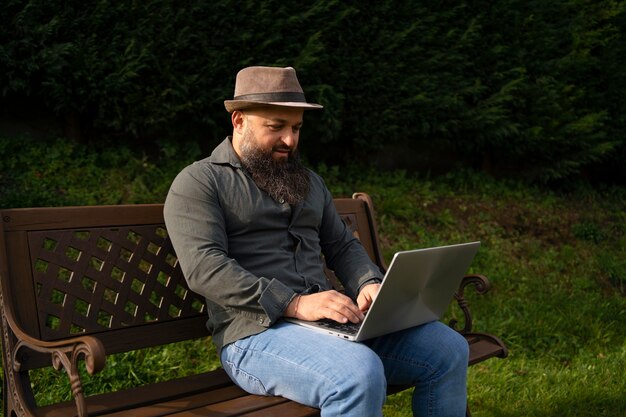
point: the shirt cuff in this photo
(368, 282)
(275, 299)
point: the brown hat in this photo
(270, 86)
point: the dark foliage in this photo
(532, 89)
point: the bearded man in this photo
(250, 225)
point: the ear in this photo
(238, 119)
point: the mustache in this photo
(283, 148)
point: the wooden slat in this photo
(234, 407)
(190, 404)
(168, 332)
(151, 334)
(214, 385)
(223, 402)
(484, 346)
(287, 409)
(47, 218)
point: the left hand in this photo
(366, 296)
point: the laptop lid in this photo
(417, 288)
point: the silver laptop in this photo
(416, 289)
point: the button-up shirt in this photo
(249, 255)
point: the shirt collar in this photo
(224, 153)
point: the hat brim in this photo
(232, 105)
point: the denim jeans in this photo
(345, 378)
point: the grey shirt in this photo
(249, 255)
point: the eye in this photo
(275, 128)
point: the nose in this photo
(290, 139)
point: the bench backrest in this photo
(111, 271)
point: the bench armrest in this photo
(481, 286)
(65, 354)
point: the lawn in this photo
(557, 263)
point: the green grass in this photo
(557, 263)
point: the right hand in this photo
(324, 305)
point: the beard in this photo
(284, 180)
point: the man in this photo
(249, 225)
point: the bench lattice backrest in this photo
(89, 280)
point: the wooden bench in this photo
(81, 283)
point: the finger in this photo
(367, 296)
(345, 311)
(343, 316)
(364, 302)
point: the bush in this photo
(523, 88)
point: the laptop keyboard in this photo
(349, 328)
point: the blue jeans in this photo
(344, 378)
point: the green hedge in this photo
(523, 88)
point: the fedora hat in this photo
(268, 86)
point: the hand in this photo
(366, 296)
(324, 305)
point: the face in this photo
(275, 130)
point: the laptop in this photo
(417, 288)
